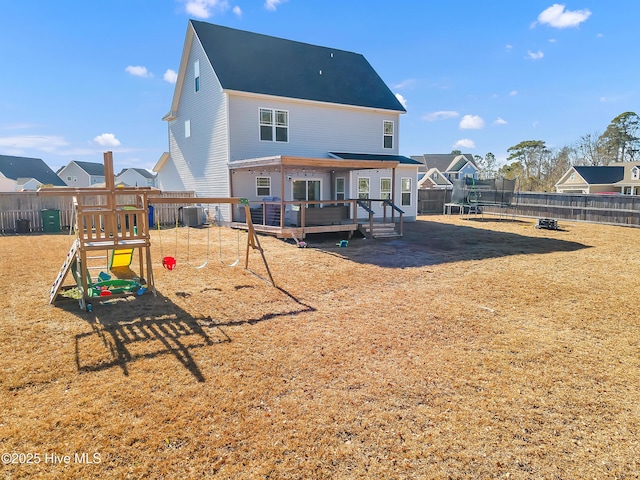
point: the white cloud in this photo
(205, 8)
(552, 40)
(408, 83)
(499, 121)
(402, 100)
(535, 124)
(170, 76)
(45, 143)
(599, 35)
(107, 140)
(534, 55)
(509, 47)
(464, 143)
(272, 4)
(556, 16)
(238, 11)
(471, 122)
(138, 71)
(513, 93)
(440, 115)
(18, 126)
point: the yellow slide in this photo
(121, 258)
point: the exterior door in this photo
(307, 190)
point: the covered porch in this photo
(296, 196)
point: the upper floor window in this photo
(187, 128)
(388, 134)
(274, 125)
(263, 186)
(196, 74)
(635, 173)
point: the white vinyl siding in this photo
(317, 129)
(201, 161)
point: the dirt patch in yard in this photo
(474, 348)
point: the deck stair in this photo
(380, 230)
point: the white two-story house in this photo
(275, 120)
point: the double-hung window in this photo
(385, 188)
(274, 125)
(363, 187)
(388, 134)
(263, 186)
(340, 188)
(196, 74)
(406, 191)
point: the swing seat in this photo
(169, 263)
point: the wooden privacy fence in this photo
(596, 208)
(432, 201)
(25, 211)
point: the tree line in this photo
(539, 168)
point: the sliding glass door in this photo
(306, 190)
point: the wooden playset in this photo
(112, 225)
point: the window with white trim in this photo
(187, 128)
(387, 134)
(263, 186)
(274, 125)
(340, 192)
(385, 188)
(635, 173)
(196, 74)
(363, 187)
(406, 191)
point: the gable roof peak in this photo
(256, 63)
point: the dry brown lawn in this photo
(468, 349)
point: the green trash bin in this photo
(51, 220)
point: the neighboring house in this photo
(621, 178)
(24, 173)
(28, 184)
(433, 179)
(449, 165)
(136, 177)
(263, 117)
(82, 174)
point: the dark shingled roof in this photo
(601, 175)
(25, 167)
(375, 157)
(95, 169)
(251, 62)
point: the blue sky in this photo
(82, 77)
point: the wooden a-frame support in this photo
(253, 242)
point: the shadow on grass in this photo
(432, 243)
(125, 330)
